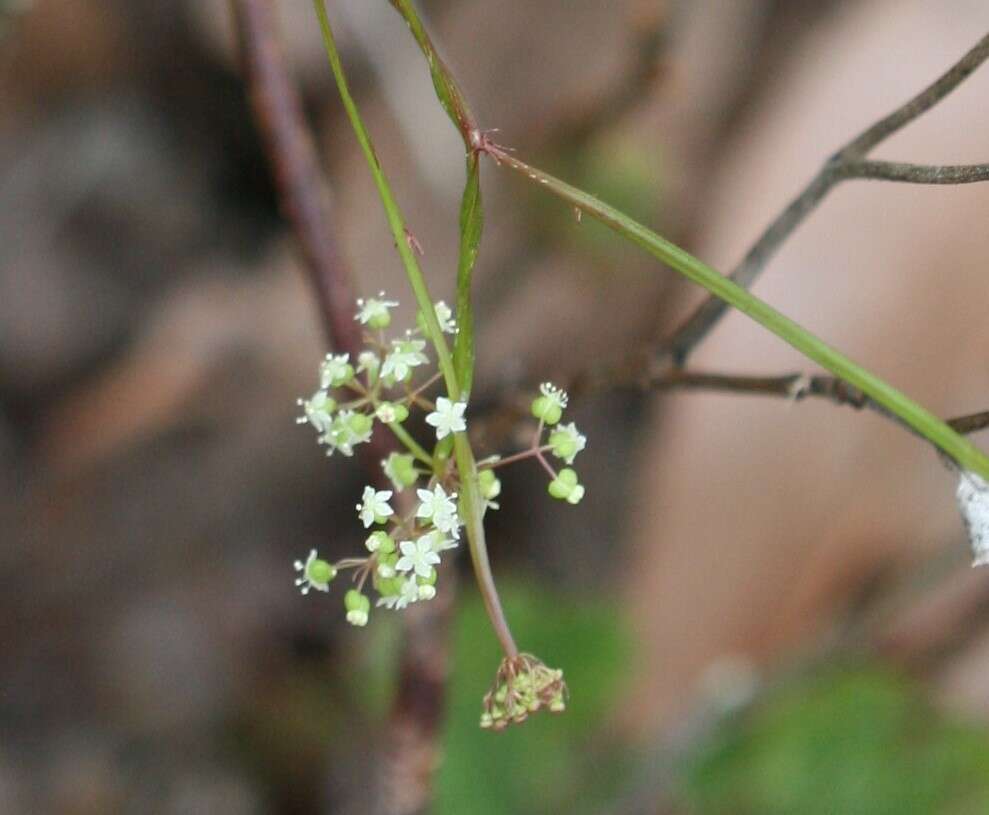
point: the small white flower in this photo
(405, 355)
(571, 440)
(374, 504)
(448, 417)
(427, 592)
(317, 410)
(417, 556)
(444, 316)
(341, 434)
(386, 413)
(555, 395)
(334, 370)
(316, 574)
(435, 502)
(973, 501)
(448, 521)
(439, 542)
(374, 309)
(368, 361)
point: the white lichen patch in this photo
(973, 501)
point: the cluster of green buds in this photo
(522, 686)
(404, 547)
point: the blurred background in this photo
(760, 607)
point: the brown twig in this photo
(413, 748)
(849, 162)
(796, 386)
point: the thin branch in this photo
(796, 387)
(409, 763)
(849, 162)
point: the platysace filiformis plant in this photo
(393, 378)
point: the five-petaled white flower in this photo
(374, 504)
(435, 502)
(405, 355)
(335, 370)
(417, 556)
(444, 316)
(448, 417)
(374, 308)
(317, 410)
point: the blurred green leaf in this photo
(541, 765)
(853, 741)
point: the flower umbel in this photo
(523, 685)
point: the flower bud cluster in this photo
(522, 686)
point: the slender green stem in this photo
(471, 507)
(413, 446)
(912, 414)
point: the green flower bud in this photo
(488, 484)
(427, 581)
(566, 487)
(388, 586)
(381, 319)
(563, 444)
(386, 564)
(546, 409)
(360, 423)
(358, 607)
(380, 542)
(319, 571)
(400, 469)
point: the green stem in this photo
(413, 446)
(967, 456)
(469, 496)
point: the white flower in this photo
(374, 504)
(386, 413)
(448, 417)
(439, 542)
(448, 521)
(405, 355)
(317, 410)
(444, 316)
(435, 502)
(335, 370)
(316, 574)
(368, 361)
(417, 556)
(556, 396)
(342, 436)
(973, 501)
(374, 310)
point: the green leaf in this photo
(471, 224)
